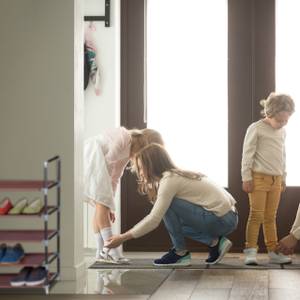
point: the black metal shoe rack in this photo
(43, 236)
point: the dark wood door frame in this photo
(251, 77)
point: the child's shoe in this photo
(279, 258)
(20, 279)
(34, 207)
(250, 256)
(5, 206)
(19, 206)
(173, 259)
(217, 252)
(107, 257)
(13, 255)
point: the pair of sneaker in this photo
(11, 255)
(274, 258)
(23, 206)
(30, 276)
(106, 256)
(216, 253)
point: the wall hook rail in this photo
(105, 18)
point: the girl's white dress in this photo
(105, 158)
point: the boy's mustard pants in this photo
(263, 201)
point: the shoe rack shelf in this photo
(49, 211)
(26, 235)
(29, 185)
(42, 236)
(34, 259)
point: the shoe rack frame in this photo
(45, 235)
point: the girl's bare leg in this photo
(101, 217)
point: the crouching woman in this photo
(190, 204)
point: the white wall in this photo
(41, 107)
(103, 111)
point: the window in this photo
(187, 84)
(287, 77)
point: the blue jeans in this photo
(185, 219)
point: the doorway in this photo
(251, 77)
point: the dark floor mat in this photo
(226, 263)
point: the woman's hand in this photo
(117, 240)
(248, 186)
(114, 241)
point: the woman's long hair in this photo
(150, 163)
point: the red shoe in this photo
(5, 206)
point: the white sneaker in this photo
(106, 257)
(250, 256)
(279, 258)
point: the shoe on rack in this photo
(18, 207)
(217, 252)
(37, 276)
(173, 259)
(250, 256)
(106, 257)
(3, 247)
(278, 258)
(34, 207)
(5, 206)
(21, 278)
(13, 255)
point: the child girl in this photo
(263, 174)
(190, 204)
(105, 157)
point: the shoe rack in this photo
(42, 235)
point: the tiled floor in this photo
(181, 284)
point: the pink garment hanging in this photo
(91, 55)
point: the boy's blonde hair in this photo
(150, 163)
(142, 137)
(276, 103)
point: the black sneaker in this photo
(36, 277)
(21, 278)
(173, 259)
(216, 253)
